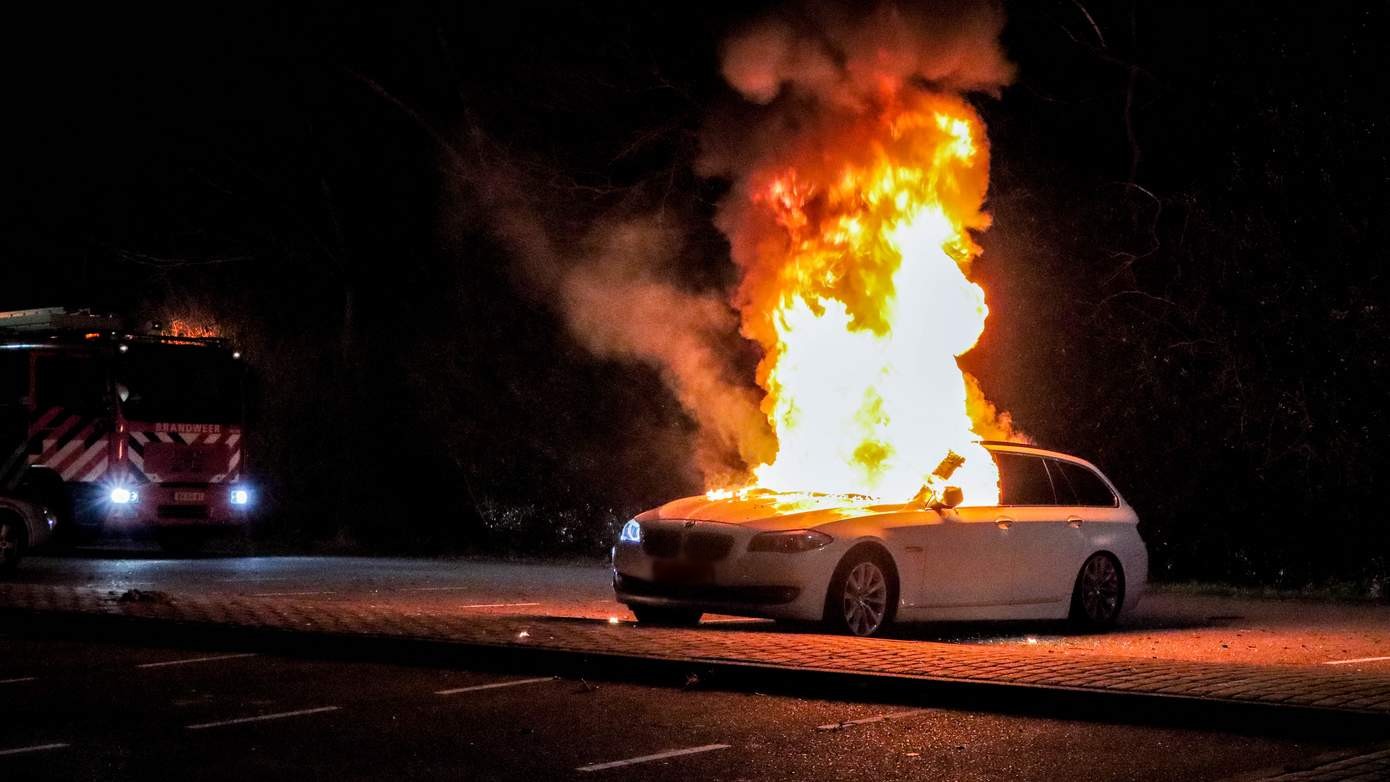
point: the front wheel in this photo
(666, 616)
(862, 595)
(13, 538)
(1099, 593)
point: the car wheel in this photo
(863, 594)
(665, 616)
(13, 540)
(1099, 593)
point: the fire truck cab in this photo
(122, 431)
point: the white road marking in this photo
(35, 748)
(288, 594)
(19, 680)
(1357, 660)
(190, 660)
(670, 753)
(494, 685)
(499, 605)
(261, 718)
(897, 715)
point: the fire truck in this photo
(120, 430)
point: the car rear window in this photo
(1077, 485)
(1023, 480)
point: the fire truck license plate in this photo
(189, 496)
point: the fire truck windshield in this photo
(179, 383)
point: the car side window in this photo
(1087, 487)
(1023, 480)
(1066, 494)
(14, 377)
(75, 383)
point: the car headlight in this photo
(240, 497)
(123, 496)
(632, 532)
(790, 542)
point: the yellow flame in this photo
(865, 306)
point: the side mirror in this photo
(951, 496)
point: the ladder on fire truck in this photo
(56, 319)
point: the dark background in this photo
(1185, 272)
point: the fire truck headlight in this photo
(240, 497)
(123, 496)
(631, 532)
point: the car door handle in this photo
(1074, 522)
(1003, 522)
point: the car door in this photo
(965, 558)
(1043, 538)
(1095, 511)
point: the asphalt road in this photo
(1166, 626)
(81, 710)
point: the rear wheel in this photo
(863, 593)
(13, 540)
(1099, 593)
(666, 616)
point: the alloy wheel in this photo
(1100, 590)
(9, 542)
(865, 600)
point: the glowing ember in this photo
(858, 291)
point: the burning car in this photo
(1061, 543)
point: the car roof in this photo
(1006, 446)
(1016, 447)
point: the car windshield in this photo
(180, 383)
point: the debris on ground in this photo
(143, 596)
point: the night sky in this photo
(1185, 270)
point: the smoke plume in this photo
(620, 298)
(804, 76)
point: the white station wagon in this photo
(1062, 544)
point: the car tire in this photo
(863, 594)
(14, 541)
(1099, 593)
(663, 616)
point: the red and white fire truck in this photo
(120, 430)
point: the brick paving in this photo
(1273, 685)
(1370, 767)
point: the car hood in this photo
(767, 510)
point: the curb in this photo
(1044, 701)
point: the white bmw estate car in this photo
(1062, 544)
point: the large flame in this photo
(858, 290)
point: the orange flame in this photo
(858, 290)
(189, 327)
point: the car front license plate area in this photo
(677, 571)
(189, 496)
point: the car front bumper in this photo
(740, 582)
